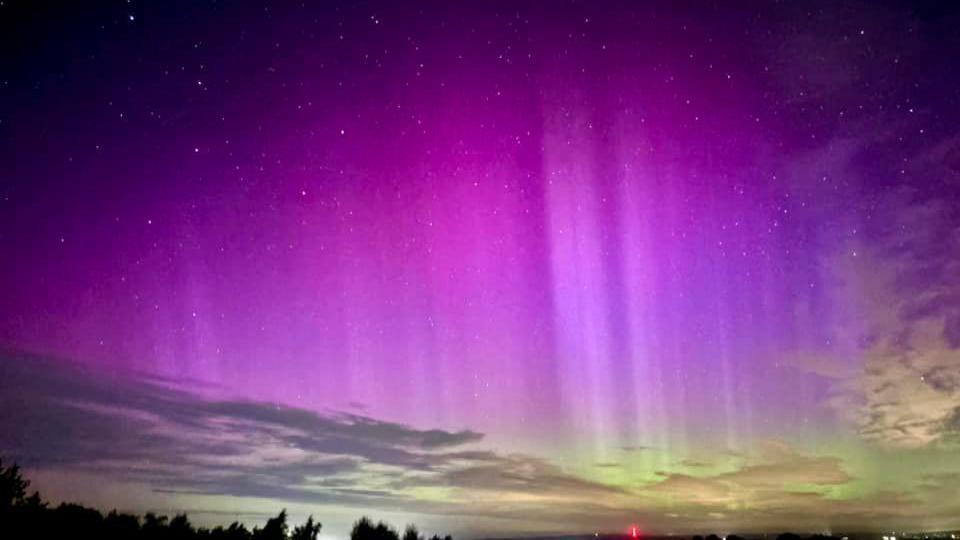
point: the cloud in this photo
(775, 473)
(524, 474)
(907, 388)
(894, 332)
(776, 486)
(62, 419)
(911, 396)
(695, 463)
(58, 415)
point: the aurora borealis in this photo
(495, 268)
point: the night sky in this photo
(492, 268)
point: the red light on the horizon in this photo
(634, 532)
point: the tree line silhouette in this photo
(28, 517)
(782, 536)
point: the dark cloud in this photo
(60, 417)
(141, 429)
(58, 414)
(695, 463)
(522, 474)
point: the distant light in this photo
(634, 532)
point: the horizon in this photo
(633, 530)
(493, 268)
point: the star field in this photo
(606, 262)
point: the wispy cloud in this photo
(776, 473)
(59, 417)
(894, 343)
(134, 428)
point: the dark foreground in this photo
(25, 516)
(29, 517)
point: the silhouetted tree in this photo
(411, 533)
(385, 532)
(23, 517)
(788, 536)
(236, 531)
(275, 529)
(154, 526)
(120, 526)
(20, 516)
(362, 529)
(712, 537)
(180, 528)
(13, 487)
(307, 531)
(86, 518)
